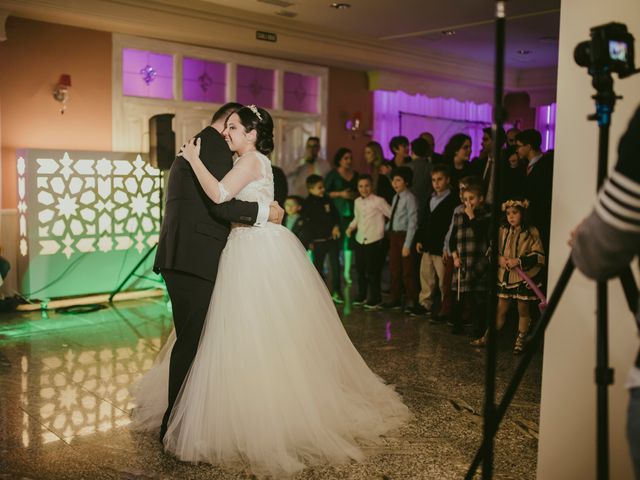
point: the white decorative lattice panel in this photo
(85, 219)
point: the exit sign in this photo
(266, 36)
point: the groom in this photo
(193, 234)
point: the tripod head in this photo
(610, 50)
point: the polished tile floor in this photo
(64, 402)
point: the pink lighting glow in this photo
(203, 80)
(300, 92)
(255, 86)
(397, 113)
(546, 125)
(147, 74)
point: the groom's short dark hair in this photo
(225, 110)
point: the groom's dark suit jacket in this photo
(195, 229)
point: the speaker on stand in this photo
(162, 152)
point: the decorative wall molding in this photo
(200, 23)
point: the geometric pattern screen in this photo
(85, 219)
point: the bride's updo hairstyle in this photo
(258, 119)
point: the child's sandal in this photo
(519, 346)
(479, 342)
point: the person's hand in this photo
(190, 151)
(349, 231)
(346, 194)
(512, 263)
(468, 209)
(502, 262)
(419, 247)
(456, 262)
(572, 235)
(276, 213)
(335, 233)
(406, 251)
(445, 255)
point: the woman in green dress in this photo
(341, 184)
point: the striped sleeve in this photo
(618, 203)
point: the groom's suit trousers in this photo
(190, 297)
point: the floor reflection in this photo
(65, 402)
(74, 381)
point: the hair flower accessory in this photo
(255, 111)
(515, 203)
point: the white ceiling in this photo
(397, 42)
(416, 25)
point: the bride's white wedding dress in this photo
(276, 382)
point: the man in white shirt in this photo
(310, 164)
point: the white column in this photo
(567, 446)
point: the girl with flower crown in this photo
(520, 252)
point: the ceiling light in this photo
(448, 33)
(340, 6)
(524, 52)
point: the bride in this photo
(276, 383)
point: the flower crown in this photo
(515, 203)
(255, 111)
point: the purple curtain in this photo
(397, 113)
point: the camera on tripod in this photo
(609, 50)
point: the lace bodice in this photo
(261, 189)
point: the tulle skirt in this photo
(276, 383)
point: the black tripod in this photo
(605, 101)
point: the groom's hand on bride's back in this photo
(276, 213)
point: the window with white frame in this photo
(153, 77)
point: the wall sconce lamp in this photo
(61, 92)
(353, 123)
(354, 126)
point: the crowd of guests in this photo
(428, 215)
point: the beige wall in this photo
(567, 425)
(31, 61)
(349, 93)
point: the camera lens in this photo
(582, 54)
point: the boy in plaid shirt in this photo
(468, 244)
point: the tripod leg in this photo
(530, 349)
(122, 284)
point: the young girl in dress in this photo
(520, 247)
